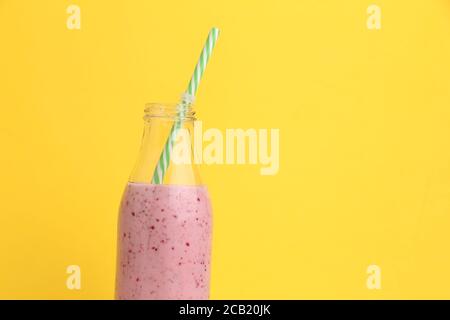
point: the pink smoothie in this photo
(164, 242)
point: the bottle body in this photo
(164, 235)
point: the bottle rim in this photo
(169, 111)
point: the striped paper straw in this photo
(183, 106)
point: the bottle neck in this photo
(159, 122)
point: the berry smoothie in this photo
(164, 242)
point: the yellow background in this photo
(364, 125)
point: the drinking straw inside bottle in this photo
(183, 106)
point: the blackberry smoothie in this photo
(164, 242)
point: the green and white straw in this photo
(183, 106)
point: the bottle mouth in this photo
(169, 111)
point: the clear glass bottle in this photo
(164, 232)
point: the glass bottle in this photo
(164, 231)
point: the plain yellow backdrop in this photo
(364, 125)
